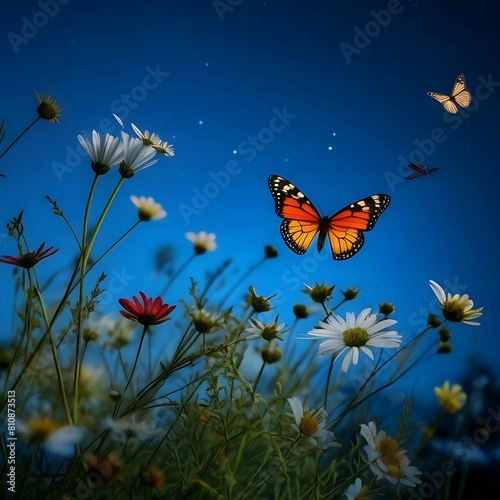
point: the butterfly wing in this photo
(413, 176)
(301, 219)
(419, 171)
(460, 93)
(445, 100)
(346, 227)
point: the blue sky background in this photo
(356, 123)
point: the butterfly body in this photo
(460, 96)
(420, 171)
(302, 222)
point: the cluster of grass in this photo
(228, 406)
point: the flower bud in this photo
(444, 348)
(270, 252)
(445, 334)
(271, 353)
(386, 308)
(433, 321)
(350, 293)
(300, 311)
(320, 293)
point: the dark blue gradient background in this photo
(356, 125)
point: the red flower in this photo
(30, 259)
(152, 312)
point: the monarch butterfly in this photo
(302, 222)
(459, 95)
(420, 171)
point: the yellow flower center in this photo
(202, 321)
(269, 332)
(391, 456)
(363, 494)
(355, 337)
(308, 424)
(453, 310)
(42, 428)
(48, 111)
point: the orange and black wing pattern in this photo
(302, 222)
(346, 227)
(301, 219)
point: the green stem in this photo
(330, 369)
(355, 402)
(249, 271)
(19, 136)
(79, 334)
(144, 331)
(126, 233)
(176, 274)
(250, 489)
(53, 347)
(254, 388)
(62, 304)
(218, 272)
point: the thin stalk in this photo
(56, 359)
(176, 274)
(254, 388)
(249, 271)
(19, 136)
(79, 334)
(330, 369)
(144, 331)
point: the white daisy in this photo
(104, 152)
(203, 321)
(202, 242)
(266, 331)
(124, 429)
(154, 141)
(353, 335)
(386, 459)
(311, 424)
(352, 492)
(136, 156)
(54, 437)
(456, 307)
(148, 208)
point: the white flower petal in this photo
(331, 346)
(347, 360)
(438, 291)
(118, 119)
(365, 319)
(297, 408)
(63, 441)
(354, 489)
(381, 325)
(367, 352)
(355, 355)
